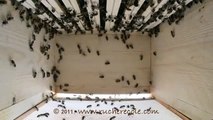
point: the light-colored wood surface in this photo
(21, 107)
(82, 72)
(18, 81)
(182, 71)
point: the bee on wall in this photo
(12, 62)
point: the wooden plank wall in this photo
(82, 72)
(18, 81)
(182, 71)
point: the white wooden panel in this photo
(133, 10)
(16, 110)
(182, 71)
(18, 82)
(164, 114)
(112, 9)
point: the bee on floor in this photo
(89, 106)
(113, 117)
(62, 106)
(44, 114)
(131, 113)
(122, 106)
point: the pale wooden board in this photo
(82, 72)
(164, 114)
(182, 71)
(18, 82)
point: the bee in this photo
(113, 117)
(9, 17)
(100, 34)
(66, 84)
(173, 33)
(107, 62)
(136, 85)
(89, 106)
(127, 46)
(155, 53)
(131, 113)
(12, 62)
(57, 45)
(4, 22)
(101, 76)
(3, 2)
(62, 106)
(131, 46)
(98, 53)
(116, 37)
(122, 106)
(150, 82)
(107, 38)
(44, 114)
(88, 49)
(141, 57)
(145, 90)
(128, 82)
(48, 74)
(51, 87)
(14, 100)
(122, 78)
(134, 77)
(65, 90)
(117, 80)
(43, 73)
(83, 117)
(34, 73)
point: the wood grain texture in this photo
(82, 72)
(182, 71)
(18, 81)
